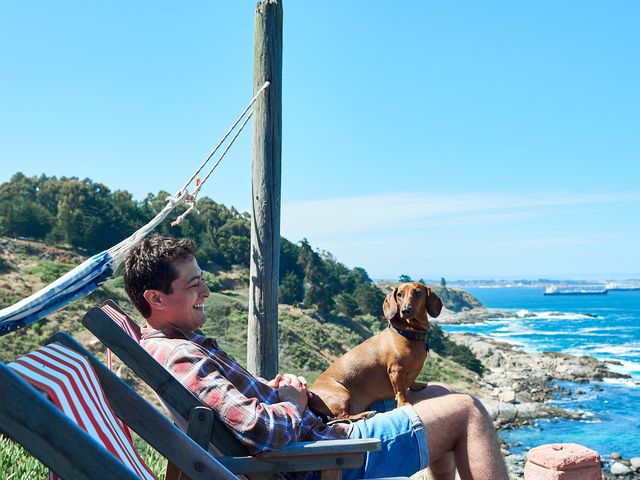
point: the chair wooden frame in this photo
(328, 456)
(29, 418)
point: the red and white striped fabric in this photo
(124, 322)
(69, 381)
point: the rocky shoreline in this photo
(517, 384)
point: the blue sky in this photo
(455, 139)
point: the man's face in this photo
(184, 307)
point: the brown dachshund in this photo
(383, 366)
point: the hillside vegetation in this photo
(50, 225)
(326, 307)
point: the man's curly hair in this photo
(150, 266)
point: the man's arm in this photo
(261, 426)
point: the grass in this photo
(49, 271)
(18, 464)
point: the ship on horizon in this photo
(622, 286)
(555, 290)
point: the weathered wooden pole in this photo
(262, 344)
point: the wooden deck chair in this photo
(121, 334)
(54, 403)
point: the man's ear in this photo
(154, 299)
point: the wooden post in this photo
(262, 344)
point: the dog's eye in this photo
(399, 294)
(417, 293)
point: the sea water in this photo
(603, 326)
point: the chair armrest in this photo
(324, 447)
(305, 456)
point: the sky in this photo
(457, 139)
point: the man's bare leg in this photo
(459, 423)
(443, 468)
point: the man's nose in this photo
(205, 290)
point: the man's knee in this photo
(433, 390)
(472, 407)
(444, 388)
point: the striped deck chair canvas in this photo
(123, 321)
(69, 381)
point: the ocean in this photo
(603, 326)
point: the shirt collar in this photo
(148, 332)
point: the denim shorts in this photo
(404, 443)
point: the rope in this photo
(119, 251)
(244, 112)
(198, 187)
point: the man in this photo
(441, 430)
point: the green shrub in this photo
(49, 271)
(439, 342)
(7, 299)
(212, 281)
(5, 266)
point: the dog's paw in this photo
(417, 386)
(362, 416)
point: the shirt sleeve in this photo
(260, 426)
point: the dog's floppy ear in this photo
(434, 304)
(390, 306)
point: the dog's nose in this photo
(406, 310)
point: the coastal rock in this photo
(507, 396)
(473, 315)
(531, 372)
(635, 463)
(510, 415)
(618, 468)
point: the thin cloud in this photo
(346, 216)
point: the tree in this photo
(346, 305)
(26, 219)
(362, 274)
(289, 259)
(315, 291)
(443, 282)
(404, 278)
(291, 289)
(369, 299)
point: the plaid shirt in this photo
(250, 408)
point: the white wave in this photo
(520, 329)
(594, 420)
(602, 329)
(577, 351)
(626, 367)
(551, 315)
(631, 350)
(627, 382)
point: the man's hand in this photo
(286, 379)
(291, 388)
